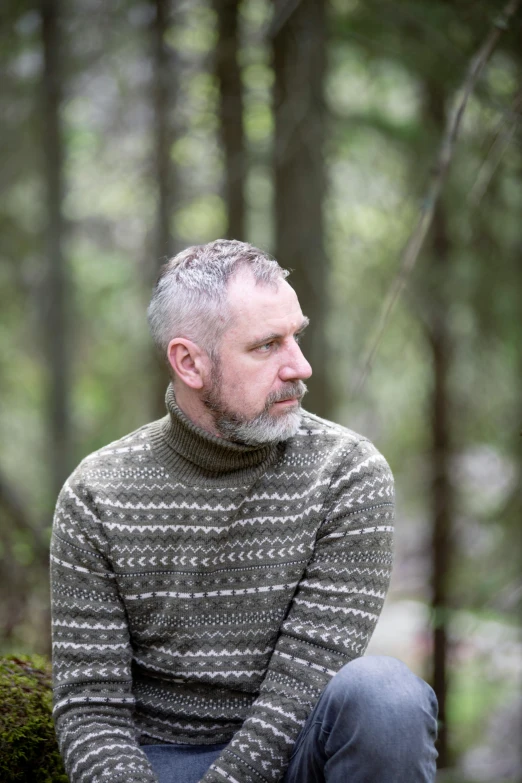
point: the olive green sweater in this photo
(205, 592)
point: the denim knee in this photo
(375, 720)
(375, 690)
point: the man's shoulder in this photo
(316, 427)
(126, 456)
(333, 444)
(342, 455)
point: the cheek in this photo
(250, 387)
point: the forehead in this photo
(257, 308)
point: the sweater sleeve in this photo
(93, 701)
(331, 619)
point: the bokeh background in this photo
(132, 129)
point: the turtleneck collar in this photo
(195, 454)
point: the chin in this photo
(263, 429)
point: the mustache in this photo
(293, 389)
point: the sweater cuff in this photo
(229, 768)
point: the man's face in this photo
(256, 385)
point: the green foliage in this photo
(28, 748)
(469, 706)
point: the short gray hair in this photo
(190, 296)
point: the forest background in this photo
(133, 129)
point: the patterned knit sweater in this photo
(205, 592)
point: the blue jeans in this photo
(375, 721)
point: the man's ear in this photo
(188, 361)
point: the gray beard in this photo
(261, 429)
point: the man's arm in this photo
(330, 622)
(93, 701)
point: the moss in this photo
(28, 748)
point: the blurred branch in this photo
(283, 10)
(507, 599)
(414, 245)
(496, 152)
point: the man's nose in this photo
(295, 367)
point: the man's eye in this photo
(265, 348)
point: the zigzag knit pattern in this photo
(205, 592)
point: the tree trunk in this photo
(231, 115)
(57, 296)
(165, 90)
(299, 60)
(439, 339)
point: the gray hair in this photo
(190, 296)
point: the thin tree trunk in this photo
(165, 90)
(57, 286)
(299, 60)
(231, 115)
(441, 526)
(440, 341)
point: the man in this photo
(217, 574)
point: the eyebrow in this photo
(277, 335)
